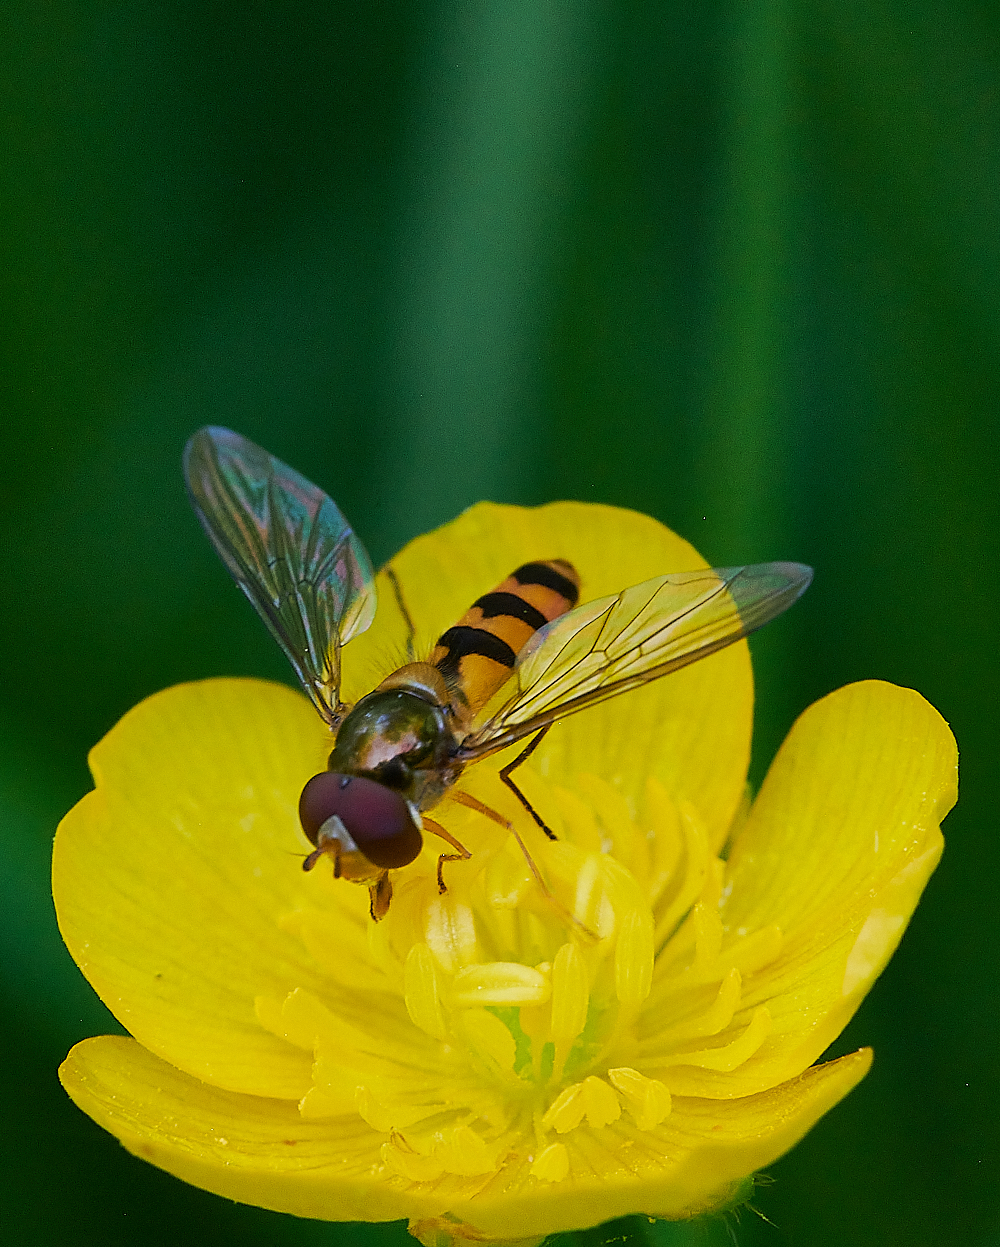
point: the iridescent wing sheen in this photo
(289, 549)
(617, 643)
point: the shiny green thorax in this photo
(400, 739)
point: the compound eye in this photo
(377, 819)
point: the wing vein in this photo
(289, 549)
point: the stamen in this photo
(300, 1018)
(570, 993)
(486, 1034)
(407, 1163)
(421, 991)
(478, 1009)
(551, 1165)
(500, 983)
(535, 1024)
(731, 1055)
(570, 999)
(665, 839)
(580, 823)
(566, 1111)
(602, 1105)
(592, 1098)
(709, 1021)
(506, 881)
(318, 1102)
(707, 936)
(590, 905)
(691, 878)
(393, 1115)
(647, 1099)
(461, 1150)
(634, 958)
(450, 931)
(621, 836)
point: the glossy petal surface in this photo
(171, 877)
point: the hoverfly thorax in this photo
(524, 655)
(397, 736)
(387, 734)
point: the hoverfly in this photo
(402, 747)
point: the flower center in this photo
(506, 1023)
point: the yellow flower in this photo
(492, 1063)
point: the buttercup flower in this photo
(495, 1063)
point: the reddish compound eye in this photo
(376, 818)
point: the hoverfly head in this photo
(368, 827)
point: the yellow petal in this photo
(691, 730)
(247, 1148)
(836, 852)
(171, 879)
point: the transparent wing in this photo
(289, 549)
(617, 643)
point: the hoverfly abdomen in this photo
(367, 827)
(478, 654)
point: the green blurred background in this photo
(736, 264)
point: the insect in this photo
(402, 747)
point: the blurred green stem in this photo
(504, 98)
(744, 442)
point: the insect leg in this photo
(523, 756)
(462, 855)
(411, 632)
(381, 895)
(467, 799)
(473, 803)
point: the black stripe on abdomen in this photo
(548, 578)
(461, 641)
(494, 604)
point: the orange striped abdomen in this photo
(478, 655)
